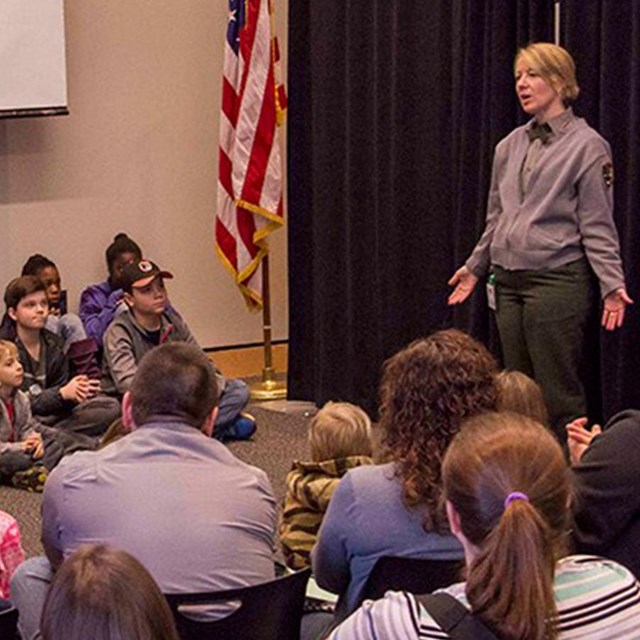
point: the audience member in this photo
(195, 516)
(507, 489)
(69, 403)
(519, 393)
(606, 472)
(11, 551)
(148, 322)
(21, 445)
(105, 594)
(395, 509)
(340, 439)
(99, 303)
(82, 351)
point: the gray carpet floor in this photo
(281, 437)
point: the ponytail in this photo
(510, 583)
(506, 478)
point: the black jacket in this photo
(49, 401)
(606, 508)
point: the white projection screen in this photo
(33, 79)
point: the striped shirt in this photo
(596, 599)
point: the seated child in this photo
(80, 349)
(340, 439)
(21, 445)
(149, 321)
(100, 302)
(104, 593)
(69, 403)
(11, 551)
(517, 392)
(28, 449)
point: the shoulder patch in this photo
(607, 174)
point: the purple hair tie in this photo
(515, 495)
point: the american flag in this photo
(250, 168)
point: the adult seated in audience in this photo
(148, 322)
(99, 303)
(395, 509)
(519, 393)
(606, 472)
(177, 500)
(70, 403)
(105, 594)
(340, 439)
(507, 491)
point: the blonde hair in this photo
(554, 64)
(517, 392)
(7, 347)
(340, 430)
(510, 579)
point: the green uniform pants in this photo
(542, 318)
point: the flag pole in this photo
(269, 388)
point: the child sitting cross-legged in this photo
(28, 448)
(81, 351)
(70, 403)
(340, 439)
(21, 445)
(149, 321)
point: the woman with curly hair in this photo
(395, 509)
(507, 489)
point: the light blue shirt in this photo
(366, 520)
(195, 516)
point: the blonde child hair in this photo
(7, 348)
(340, 430)
(520, 394)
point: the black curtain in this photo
(604, 38)
(395, 108)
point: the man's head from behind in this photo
(173, 381)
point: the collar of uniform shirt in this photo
(551, 128)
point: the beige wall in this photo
(138, 153)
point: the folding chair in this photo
(264, 612)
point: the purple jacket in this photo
(98, 304)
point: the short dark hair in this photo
(20, 288)
(122, 243)
(105, 594)
(35, 264)
(175, 379)
(17, 289)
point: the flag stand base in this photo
(269, 388)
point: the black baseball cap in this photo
(140, 273)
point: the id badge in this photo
(491, 292)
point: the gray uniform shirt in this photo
(565, 213)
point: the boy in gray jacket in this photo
(148, 322)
